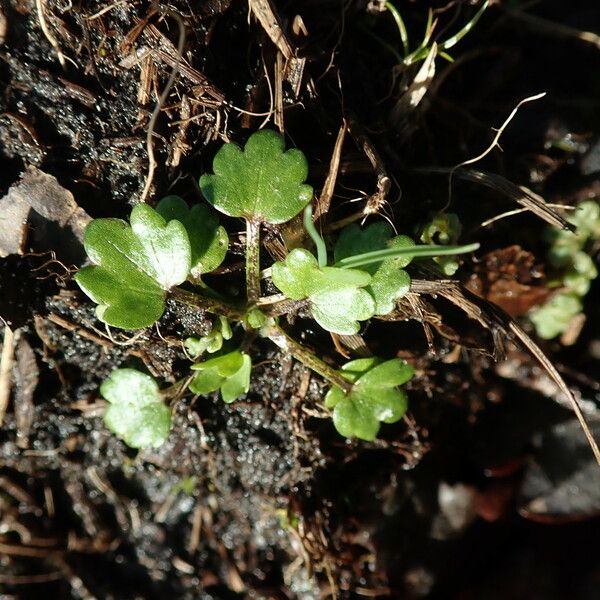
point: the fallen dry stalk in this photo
(7, 360)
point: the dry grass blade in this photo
(496, 320)
(324, 200)
(267, 17)
(519, 194)
(412, 97)
(6, 365)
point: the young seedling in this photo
(337, 298)
(138, 265)
(422, 51)
(261, 184)
(212, 342)
(375, 396)
(445, 229)
(389, 281)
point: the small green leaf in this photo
(340, 311)
(255, 318)
(230, 373)
(553, 317)
(211, 342)
(390, 281)
(136, 412)
(355, 240)
(238, 383)
(135, 266)
(374, 398)
(262, 183)
(337, 298)
(207, 381)
(208, 240)
(444, 228)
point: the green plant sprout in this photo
(375, 396)
(445, 229)
(573, 270)
(261, 184)
(408, 58)
(165, 252)
(212, 342)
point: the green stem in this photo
(315, 236)
(211, 305)
(288, 344)
(400, 24)
(252, 261)
(419, 251)
(452, 41)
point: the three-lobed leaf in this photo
(230, 373)
(337, 297)
(262, 182)
(135, 265)
(374, 398)
(389, 279)
(136, 412)
(208, 239)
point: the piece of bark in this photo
(56, 221)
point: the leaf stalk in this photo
(288, 344)
(252, 261)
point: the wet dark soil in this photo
(486, 490)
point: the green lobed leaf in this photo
(374, 398)
(337, 297)
(586, 219)
(262, 183)
(340, 311)
(355, 240)
(211, 342)
(208, 239)
(207, 381)
(230, 373)
(136, 412)
(390, 281)
(134, 266)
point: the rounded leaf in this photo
(262, 183)
(136, 412)
(134, 266)
(208, 240)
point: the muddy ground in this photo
(487, 490)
